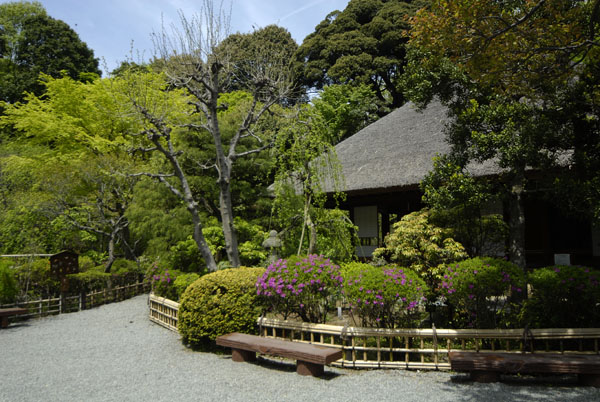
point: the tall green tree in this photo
(32, 42)
(196, 61)
(364, 43)
(307, 165)
(521, 81)
(79, 165)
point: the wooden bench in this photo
(8, 312)
(310, 359)
(487, 367)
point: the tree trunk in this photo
(516, 220)
(312, 238)
(226, 209)
(224, 165)
(111, 252)
(200, 240)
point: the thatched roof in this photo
(397, 150)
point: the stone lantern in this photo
(273, 244)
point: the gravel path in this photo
(114, 353)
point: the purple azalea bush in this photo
(480, 290)
(305, 286)
(563, 296)
(384, 297)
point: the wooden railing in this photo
(69, 304)
(163, 311)
(427, 348)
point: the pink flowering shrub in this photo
(563, 296)
(385, 297)
(162, 281)
(305, 286)
(479, 288)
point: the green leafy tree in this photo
(422, 246)
(462, 203)
(31, 42)
(196, 61)
(305, 161)
(77, 136)
(520, 79)
(364, 43)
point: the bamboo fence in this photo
(163, 311)
(407, 348)
(428, 348)
(69, 304)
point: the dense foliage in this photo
(363, 44)
(563, 297)
(420, 245)
(8, 283)
(384, 297)
(219, 303)
(306, 286)
(480, 289)
(521, 82)
(32, 42)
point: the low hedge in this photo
(385, 297)
(219, 303)
(563, 297)
(481, 290)
(306, 286)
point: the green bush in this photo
(480, 288)
(181, 283)
(423, 247)
(186, 257)
(385, 297)
(8, 284)
(219, 303)
(162, 280)
(563, 297)
(86, 263)
(305, 286)
(35, 280)
(94, 279)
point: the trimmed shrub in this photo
(8, 284)
(423, 247)
(305, 286)
(219, 303)
(479, 290)
(385, 297)
(563, 297)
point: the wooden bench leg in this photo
(306, 368)
(240, 355)
(592, 380)
(4, 322)
(485, 376)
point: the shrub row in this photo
(479, 292)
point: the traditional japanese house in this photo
(384, 163)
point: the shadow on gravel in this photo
(286, 366)
(15, 325)
(521, 388)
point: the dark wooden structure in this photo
(310, 359)
(9, 312)
(487, 367)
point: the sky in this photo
(117, 30)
